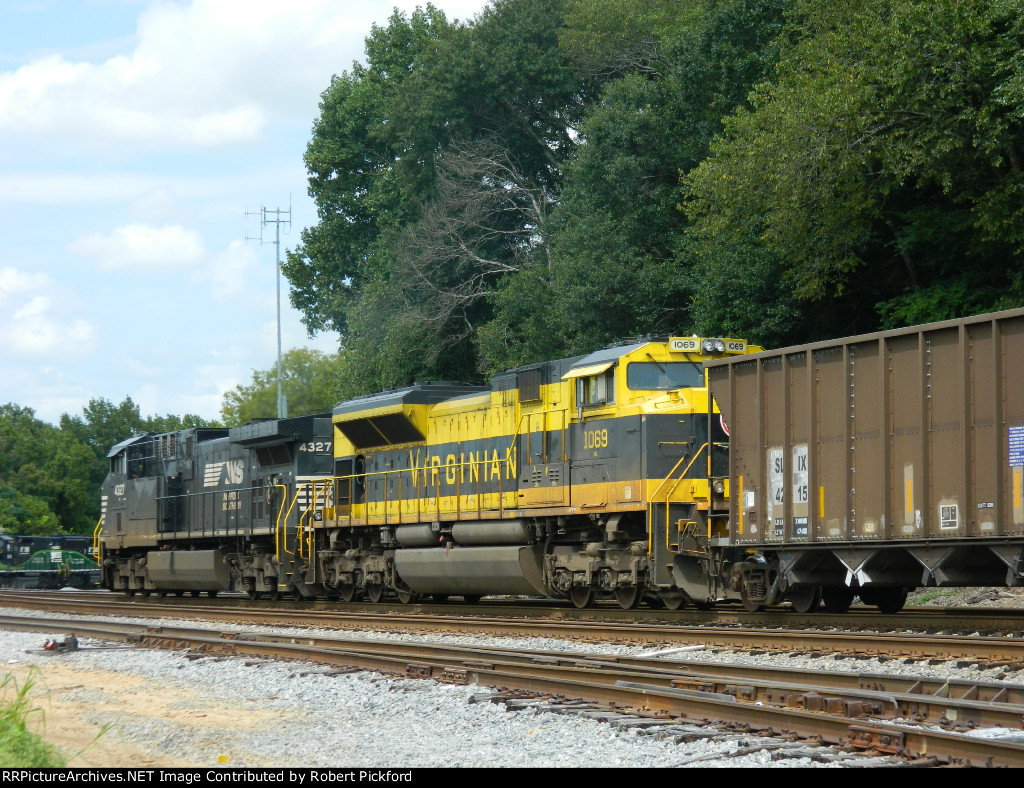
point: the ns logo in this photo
(231, 472)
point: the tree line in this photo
(50, 475)
(553, 175)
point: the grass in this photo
(19, 746)
(926, 597)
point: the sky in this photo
(139, 141)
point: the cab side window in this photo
(594, 390)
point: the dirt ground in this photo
(75, 705)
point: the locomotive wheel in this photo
(195, 594)
(673, 600)
(130, 591)
(349, 592)
(211, 594)
(162, 592)
(375, 592)
(836, 599)
(179, 593)
(805, 599)
(274, 593)
(629, 597)
(471, 599)
(147, 592)
(750, 605)
(439, 598)
(582, 597)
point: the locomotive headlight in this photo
(712, 347)
(718, 487)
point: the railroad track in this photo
(1003, 621)
(970, 646)
(861, 711)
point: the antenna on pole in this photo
(276, 217)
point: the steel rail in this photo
(917, 688)
(641, 697)
(962, 704)
(957, 619)
(1003, 650)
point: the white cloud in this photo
(47, 390)
(35, 331)
(206, 73)
(34, 325)
(142, 247)
(159, 204)
(48, 188)
(14, 282)
(229, 271)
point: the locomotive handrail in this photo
(277, 523)
(318, 487)
(544, 445)
(97, 543)
(654, 495)
(300, 527)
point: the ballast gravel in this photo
(316, 716)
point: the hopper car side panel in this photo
(889, 460)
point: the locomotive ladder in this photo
(671, 482)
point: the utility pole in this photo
(276, 217)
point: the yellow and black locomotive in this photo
(575, 478)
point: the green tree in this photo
(310, 384)
(619, 265)
(880, 168)
(30, 490)
(26, 514)
(433, 167)
(50, 477)
(104, 424)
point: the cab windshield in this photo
(663, 375)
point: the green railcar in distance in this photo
(48, 562)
